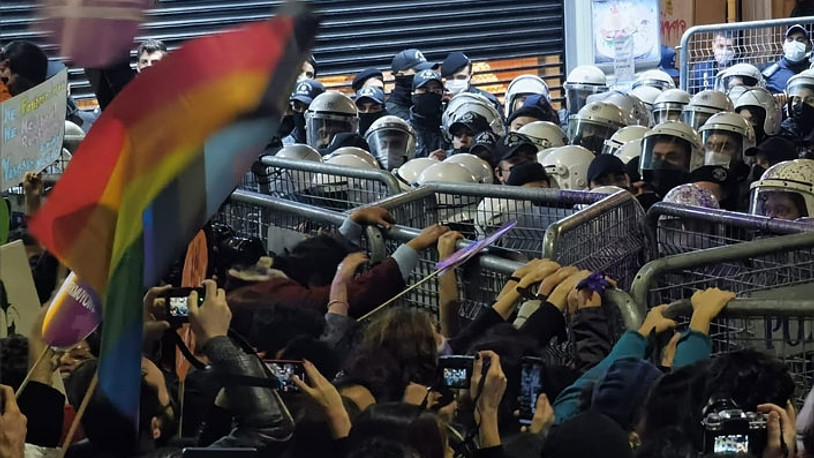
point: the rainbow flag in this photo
(158, 163)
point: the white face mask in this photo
(714, 158)
(794, 51)
(457, 86)
(724, 57)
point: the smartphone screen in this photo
(733, 443)
(178, 307)
(456, 371)
(177, 303)
(531, 385)
(283, 370)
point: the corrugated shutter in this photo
(361, 33)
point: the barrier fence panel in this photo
(608, 236)
(681, 229)
(759, 43)
(745, 268)
(322, 185)
(779, 326)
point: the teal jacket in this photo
(692, 346)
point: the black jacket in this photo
(428, 134)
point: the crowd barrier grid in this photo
(759, 43)
(680, 229)
(781, 327)
(323, 185)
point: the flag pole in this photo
(399, 295)
(79, 414)
(27, 378)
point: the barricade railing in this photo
(608, 236)
(276, 221)
(759, 43)
(765, 266)
(323, 185)
(682, 229)
(782, 327)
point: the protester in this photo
(148, 53)
(23, 65)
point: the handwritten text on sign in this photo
(33, 125)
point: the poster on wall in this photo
(615, 20)
(676, 18)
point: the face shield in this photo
(577, 95)
(392, 147)
(667, 112)
(321, 128)
(665, 162)
(722, 147)
(694, 118)
(727, 83)
(778, 202)
(590, 134)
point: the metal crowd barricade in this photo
(322, 185)
(779, 326)
(759, 43)
(479, 283)
(681, 229)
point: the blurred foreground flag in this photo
(93, 33)
(158, 164)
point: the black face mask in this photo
(665, 176)
(427, 105)
(286, 126)
(404, 83)
(593, 143)
(299, 121)
(803, 113)
(366, 119)
(755, 172)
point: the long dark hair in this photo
(404, 423)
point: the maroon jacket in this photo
(365, 292)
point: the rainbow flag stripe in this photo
(158, 163)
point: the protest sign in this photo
(19, 303)
(33, 125)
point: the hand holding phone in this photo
(177, 304)
(456, 371)
(531, 385)
(284, 370)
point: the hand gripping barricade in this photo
(755, 42)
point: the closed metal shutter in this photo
(509, 37)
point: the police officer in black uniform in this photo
(425, 113)
(457, 72)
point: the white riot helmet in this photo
(739, 75)
(299, 151)
(785, 191)
(333, 183)
(446, 172)
(392, 141)
(330, 113)
(541, 155)
(629, 151)
(622, 137)
(635, 111)
(354, 151)
(648, 95)
(522, 87)
(726, 136)
(691, 195)
(567, 167)
(582, 82)
(480, 169)
(544, 134)
(73, 136)
(768, 109)
(409, 172)
(703, 105)
(670, 151)
(658, 79)
(595, 123)
(451, 207)
(470, 102)
(669, 105)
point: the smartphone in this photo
(531, 385)
(201, 452)
(456, 370)
(176, 303)
(731, 443)
(283, 370)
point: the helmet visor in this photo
(800, 88)
(667, 112)
(727, 83)
(665, 152)
(392, 147)
(321, 129)
(695, 119)
(577, 95)
(721, 147)
(777, 202)
(589, 134)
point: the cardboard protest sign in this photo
(19, 303)
(33, 125)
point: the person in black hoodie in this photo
(425, 113)
(301, 98)
(405, 65)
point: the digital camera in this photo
(728, 429)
